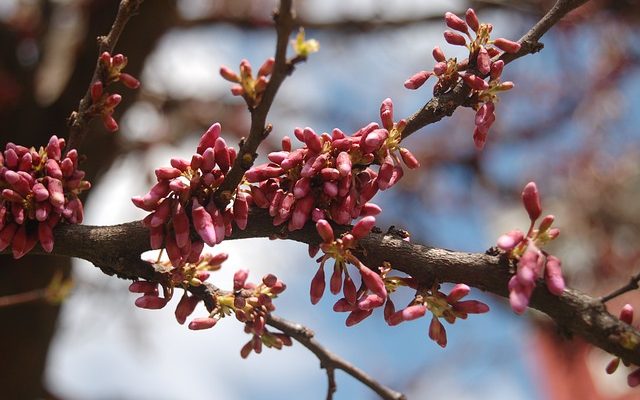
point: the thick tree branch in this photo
(79, 120)
(330, 361)
(116, 250)
(444, 105)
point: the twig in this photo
(632, 285)
(79, 120)
(330, 361)
(284, 19)
(24, 297)
(444, 105)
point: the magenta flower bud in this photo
(329, 174)
(438, 54)
(167, 173)
(56, 193)
(454, 38)
(335, 282)
(349, 290)
(277, 156)
(373, 281)
(413, 312)
(203, 224)
(613, 365)
(52, 169)
(301, 213)
(386, 113)
(96, 91)
(317, 286)
(183, 164)
(472, 19)
(357, 316)
(241, 210)
(343, 305)
(219, 224)
(202, 323)
(240, 278)
(156, 237)
(626, 314)
(343, 163)
(269, 280)
(459, 291)
(267, 67)
(6, 235)
(222, 155)
(471, 307)
(208, 139)
(546, 223)
(479, 138)
(325, 231)
(633, 379)
(455, 22)
(496, 69)
(274, 206)
(45, 235)
(475, 82)
(228, 74)
(531, 201)
(151, 302)
(263, 172)
(185, 307)
(12, 195)
(145, 287)
(386, 173)
(483, 61)
(112, 101)
(370, 302)
(129, 81)
(312, 140)
(553, 276)
(181, 226)
(506, 45)
(518, 296)
(553, 233)
(417, 80)
(330, 189)
(161, 215)
(437, 332)
(363, 227)
(370, 209)
(510, 240)
(409, 159)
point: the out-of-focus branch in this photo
(631, 285)
(116, 250)
(79, 120)
(284, 19)
(330, 361)
(444, 105)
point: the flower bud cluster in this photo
(39, 189)
(250, 88)
(330, 177)
(449, 307)
(251, 303)
(481, 64)
(182, 198)
(533, 263)
(633, 379)
(103, 102)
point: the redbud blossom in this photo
(531, 201)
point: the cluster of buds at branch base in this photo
(633, 379)
(372, 293)
(103, 102)
(331, 177)
(481, 64)
(250, 303)
(449, 307)
(533, 263)
(250, 88)
(38, 190)
(183, 198)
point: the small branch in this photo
(444, 105)
(632, 285)
(330, 361)
(284, 19)
(21, 298)
(79, 120)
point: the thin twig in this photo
(331, 361)
(444, 105)
(284, 19)
(632, 285)
(79, 120)
(24, 297)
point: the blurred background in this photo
(569, 125)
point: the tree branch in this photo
(444, 105)
(330, 361)
(116, 250)
(79, 120)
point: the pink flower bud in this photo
(626, 314)
(222, 155)
(241, 210)
(408, 158)
(483, 61)
(349, 290)
(96, 91)
(185, 307)
(496, 69)
(633, 379)
(509, 241)
(228, 74)
(129, 81)
(317, 286)
(335, 282)
(455, 22)
(507, 45)
(471, 307)
(373, 281)
(363, 227)
(531, 201)
(437, 332)
(161, 215)
(472, 19)
(145, 287)
(479, 138)
(343, 305)
(613, 365)
(553, 276)
(518, 296)
(370, 302)
(45, 235)
(417, 80)
(357, 316)
(546, 223)
(267, 67)
(475, 82)
(312, 140)
(454, 38)
(203, 224)
(151, 302)
(325, 231)
(459, 291)
(6, 235)
(181, 226)
(202, 323)
(386, 113)
(240, 278)
(208, 139)
(438, 54)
